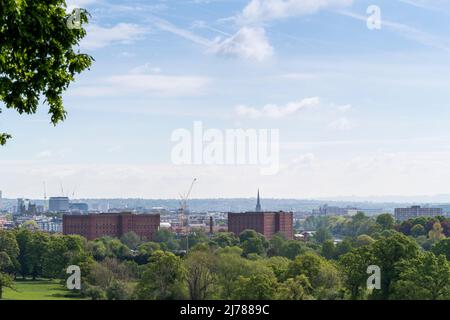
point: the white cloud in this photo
(249, 43)
(72, 4)
(344, 108)
(304, 160)
(160, 83)
(264, 10)
(422, 4)
(80, 3)
(274, 111)
(167, 26)
(100, 180)
(44, 154)
(296, 76)
(126, 54)
(300, 164)
(145, 68)
(123, 33)
(341, 124)
(252, 42)
(316, 175)
(408, 32)
(144, 84)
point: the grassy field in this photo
(38, 290)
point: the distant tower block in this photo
(258, 204)
(266, 223)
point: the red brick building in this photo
(266, 223)
(94, 226)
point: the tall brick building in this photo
(94, 226)
(266, 223)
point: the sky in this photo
(359, 111)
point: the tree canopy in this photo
(38, 55)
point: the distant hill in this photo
(233, 205)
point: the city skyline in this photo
(360, 112)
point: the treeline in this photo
(246, 267)
(34, 254)
(362, 224)
(426, 231)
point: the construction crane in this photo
(45, 196)
(73, 193)
(183, 204)
(62, 189)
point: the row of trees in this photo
(426, 230)
(407, 272)
(26, 253)
(227, 267)
(218, 267)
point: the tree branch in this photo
(3, 138)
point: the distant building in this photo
(326, 210)
(403, 214)
(94, 226)
(159, 210)
(165, 225)
(40, 209)
(50, 226)
(258, 204)
(22, 206)
(58, 204)
(374, 211)
(78, 207)
(3, 221)
(32, 209)
(266, 223)
(305, 235)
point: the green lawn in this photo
(39, 290)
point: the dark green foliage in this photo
(131, 240)
(253, 242)
(259, 286)
(354, 267)
(442, 247)
(37, 56)
(426, 277)
(225, 239)
(249, 267)
(387, 253)
(322, 235)
(386, 221)
(162, 277)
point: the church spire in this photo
(258, 204)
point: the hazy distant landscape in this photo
(245, 204)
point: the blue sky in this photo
(379, 124)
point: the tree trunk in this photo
(355, 292)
